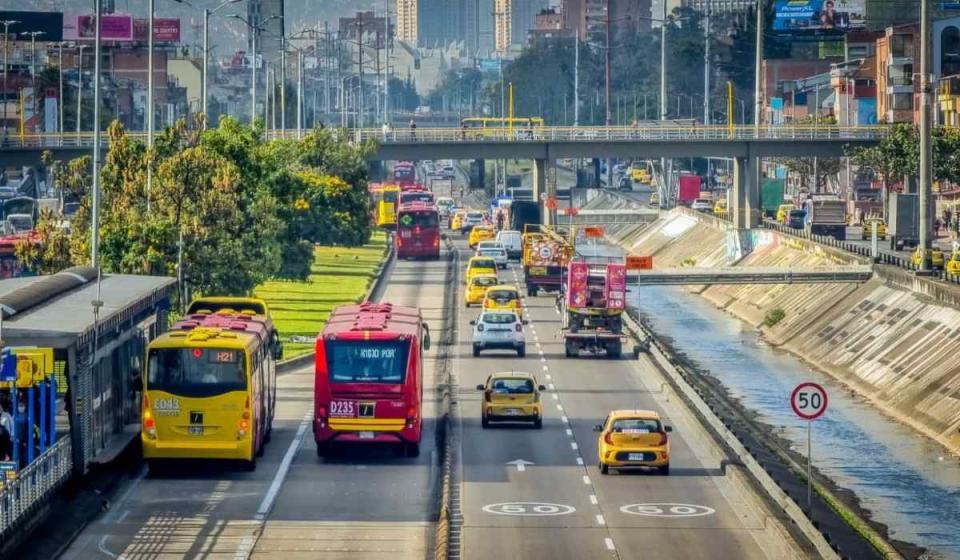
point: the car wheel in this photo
(522, 351)
(538, 423)
(665, 470)
(604, 469)
(476, 352)
(484, 423)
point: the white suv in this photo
(499, 329)
(494, 250)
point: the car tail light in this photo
(608, 438)
(480, 327)
(399, 241)
(149, 424)
(519, 327)
(663, 438)
(486, 396)
(436, 241)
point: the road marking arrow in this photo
(520, 463)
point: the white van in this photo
(512, 241)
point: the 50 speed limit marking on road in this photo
(530, 509)
(809, 400)
(668, 510)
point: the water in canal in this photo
(909, 483)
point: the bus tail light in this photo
(242, 426)
(411, 416)
(149, 424)
(436, 241)
(322, 415)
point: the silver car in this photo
(494, 250)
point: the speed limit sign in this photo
(809, 400)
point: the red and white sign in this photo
(82, 27)
(616, 286)
(809, 400)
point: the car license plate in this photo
(195, 430)
(366, 435)
(635, 457)
(513, 412)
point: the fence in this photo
(33, 485)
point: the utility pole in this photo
(706, 69)
(606, 73)
(95, 204)
(149, 109)
(60, 84)
(283, 84)
(663, 62)
(6, 31)
(758, 71)
(925, 156)
(386, 61)
(576, 78)
(79, 87)
(253, 74)
(299, 94)
(360, 68)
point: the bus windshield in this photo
(416, 196)
(419, 219)
(390, 196)
(367, 361)
(196, 372)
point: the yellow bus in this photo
(387, 207)
(523, 127)
(214, 304)
(210, 388)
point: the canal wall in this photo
(894, 339)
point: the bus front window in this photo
(196, 372)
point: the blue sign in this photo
(8, 365)
(819, 15)
(950, 5)
(866, 111)
(489, 64)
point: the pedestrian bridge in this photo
(651, 140)
(750, 275)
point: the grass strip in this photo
(338, 275)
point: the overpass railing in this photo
(34, 484)
(620, 133)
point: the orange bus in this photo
(369, 377)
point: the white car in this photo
(494, 250)
(512, 241)
(499, 329)
(702, 205)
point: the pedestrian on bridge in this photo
(413, 129)
(386, 131)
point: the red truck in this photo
(689, 188)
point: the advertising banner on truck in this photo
(616, 287)
(579, 273)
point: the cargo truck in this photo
(826, 217)
(592, 306)
(545, 256)
(689, 188)
(903, 223)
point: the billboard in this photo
(50, 23)
(82, 27)
(488, 64)
(819, 15)
(165, 30)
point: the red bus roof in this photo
(372, 320)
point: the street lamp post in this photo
(6, 31)
(254, 30)
(79, 87)
(206, 51)
(60, 106)
(95, 204)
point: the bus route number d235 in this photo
(343, 409)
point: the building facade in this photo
(407, 21)
(503, 15)
(269, 40)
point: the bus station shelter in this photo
(98, 327)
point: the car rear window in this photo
(484, 281)
(502, 294)
(636, 425)
(490, 252)
(511, 385)
(499, 318)
(483, 263)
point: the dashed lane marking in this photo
(569, 432)
(586, 479)
(580, 462)
(600, 520)
(593, 499)
(609, 543)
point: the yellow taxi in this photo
(633, 438)
(502, 296)
(720, 209)
(511, 396)
(783, 212)
(456, 221)
(477, 287)
(655, 199)
(953, 265)
(639, 175)
(934, 258)
(480, 265)
(480, 233)
(867, 232)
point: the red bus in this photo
(418, 231)
(404, 173)
(369, 377)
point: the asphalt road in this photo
(364, 503)
(560, 506)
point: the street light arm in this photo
(221, 6)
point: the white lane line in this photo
(569, 432)
(560, 408)
(543, 360)
(609, 542)
(600, 520)
(565, 420)
(586, 479)
(102, 547)
(580, 461)
(555, 397)
(573, 445)
(545, 368)
(278, 479)
(551, 387)
(548, 376)
(593, 499)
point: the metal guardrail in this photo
(689, 133)
(750, 275)
(34, 484)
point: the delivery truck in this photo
(826, 216)
(903, 223)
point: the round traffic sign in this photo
(546, 252)
(809, 400)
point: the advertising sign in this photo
(867, 111)
(50, 23)
(488, 64)
(639, 263)
(165, 30)
(616, 288)
(579, 273)
(819, 15)
(114, 27)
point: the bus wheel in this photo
(323, 449)
(250, 465)
(411, 449)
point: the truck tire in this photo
(570, 349)
(613, 350)
(532, 290)
(616, 325)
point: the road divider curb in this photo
(678, 380)
(373, 293)
(447, 436)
